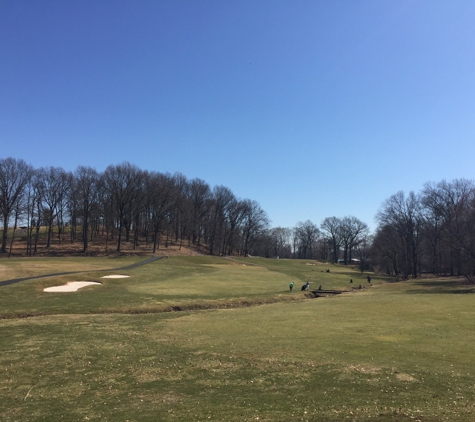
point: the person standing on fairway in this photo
(291, 285)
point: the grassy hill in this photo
(207, 338)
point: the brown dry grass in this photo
(97, 247)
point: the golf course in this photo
(202, 338)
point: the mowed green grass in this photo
(395, 351)
(177, 281)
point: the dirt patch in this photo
(363, 369)
(405, 378)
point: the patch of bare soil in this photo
(405, 378)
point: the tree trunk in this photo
(4, 236)
(13, 234)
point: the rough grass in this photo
(392, 352)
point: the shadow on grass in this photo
(457, 286)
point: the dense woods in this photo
(432, 231)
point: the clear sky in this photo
(312, 108)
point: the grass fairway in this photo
(392, 352)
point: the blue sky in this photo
(312, 108)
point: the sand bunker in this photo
(71, 286)
(115, 276)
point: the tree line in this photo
(123, 204)
(432, 231)
(127, 204)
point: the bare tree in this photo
(86, 190)
(121, 183)
(387, 249)
(236, 212)
(161, 197)
(32, 198)
(331, 227)
(14, 177)
(18, 213)
(435, 239)
(222, 199)
(308, 235)
(403, 215)
(255, 222)
(200, 197)
(180, 219)
(280, 238)
(351, 230)
(450, 225)
(363, 251)
(54, 184)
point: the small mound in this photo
(115, 276)
(71, 286)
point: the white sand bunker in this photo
(115, 276)
(71, 286)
